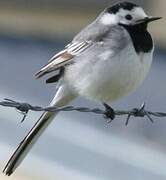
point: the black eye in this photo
(128, 17)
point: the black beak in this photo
(148, 20)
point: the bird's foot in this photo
(109, 113)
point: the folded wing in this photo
(64, 57)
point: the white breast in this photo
(108, 77)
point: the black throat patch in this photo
(141, 38)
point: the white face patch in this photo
(109, 19)
(137, 13)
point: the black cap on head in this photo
(124, 5)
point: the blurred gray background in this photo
(76, 146)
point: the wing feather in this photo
(64, 57)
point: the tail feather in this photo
(62, 97)
(27, 143)
(40, 74)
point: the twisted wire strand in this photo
(24, 108)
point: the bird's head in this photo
(127, 14)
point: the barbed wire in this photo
(24, 108)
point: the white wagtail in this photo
(105, 61)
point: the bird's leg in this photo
(109, 112)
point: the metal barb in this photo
(127, 120)
(142, 108)
(139, 112)
(10, 100)
(24, 113)
(149, 117)
(24, 117)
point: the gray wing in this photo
(80, 43)
(64, 57)
(93, 35)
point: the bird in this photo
(104, 62)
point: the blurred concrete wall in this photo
(54, 19)
(69, 3)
